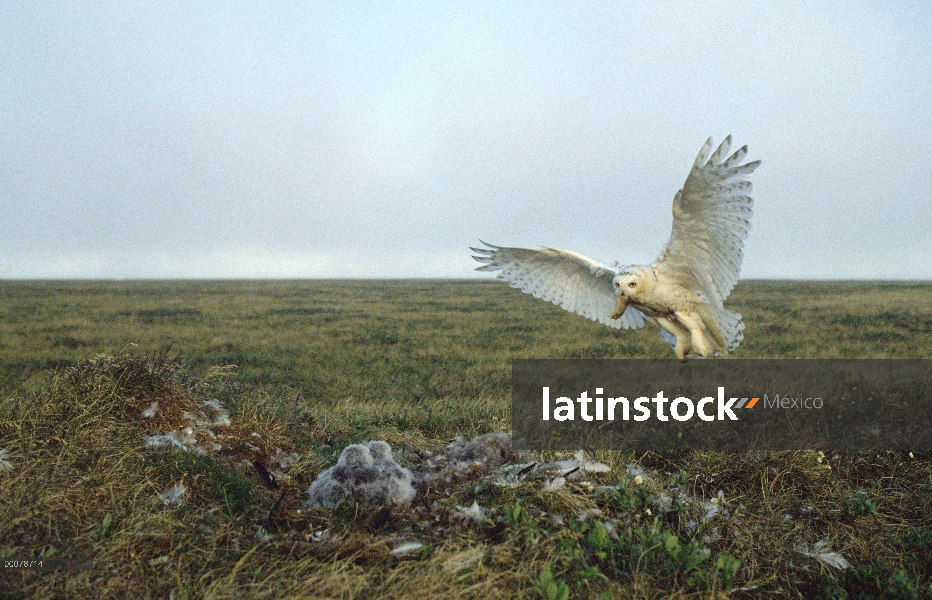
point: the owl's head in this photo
(631, 282)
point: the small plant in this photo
(598, 538)
(877, 580)
(859, 505)
(642, 497)
(588, 572)
(550, 588)
(726, 567)
(183, 592)
(916, 538)
(916, 545)
(693, 555)
(679, 480)
(902, 586)
(218, 480)
(571, 553)
(100, 532)
(671, 543)
(523, 523)
(833, 592)
(620, 498)
(514, 515)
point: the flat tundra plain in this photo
(415, 340)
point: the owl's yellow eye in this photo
(632, 284)
(617, 285)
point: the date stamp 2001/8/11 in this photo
(46, 564)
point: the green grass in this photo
(415, 341)
(321, 364)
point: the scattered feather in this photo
(463, 560)
(490, 450)
(214, 404)
(286, 460)
(561, 468)
(4, 462)
(556, 520)
(611, 529)
(664, 502)
(173, 496)
(473, 513)
(821, 553)
(405, 548)
(166, 440)
(220, 418)
(511, 476)
(554, 485)
(713, 506)
(320, 535)
(150, 412)
(261, 535)
(574, 467)
(591, 466)
(589, 514)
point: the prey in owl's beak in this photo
(620, 307)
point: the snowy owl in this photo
(683, 291)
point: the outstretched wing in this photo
(711, 219)
(569, 280)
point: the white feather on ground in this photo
(4, 463)
(405, 548)
(173, 495)
(821, 552)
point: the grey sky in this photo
(381, 139)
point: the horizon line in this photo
(390, 278)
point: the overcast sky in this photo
(314, 139)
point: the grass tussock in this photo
(83, 482)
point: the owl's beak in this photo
(620, 307)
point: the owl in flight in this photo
(683, 291)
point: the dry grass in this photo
(416, 363)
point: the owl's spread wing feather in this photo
(711, 219)
(569, 280)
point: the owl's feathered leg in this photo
(706, 337)
(709, 321)
(683, 342)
